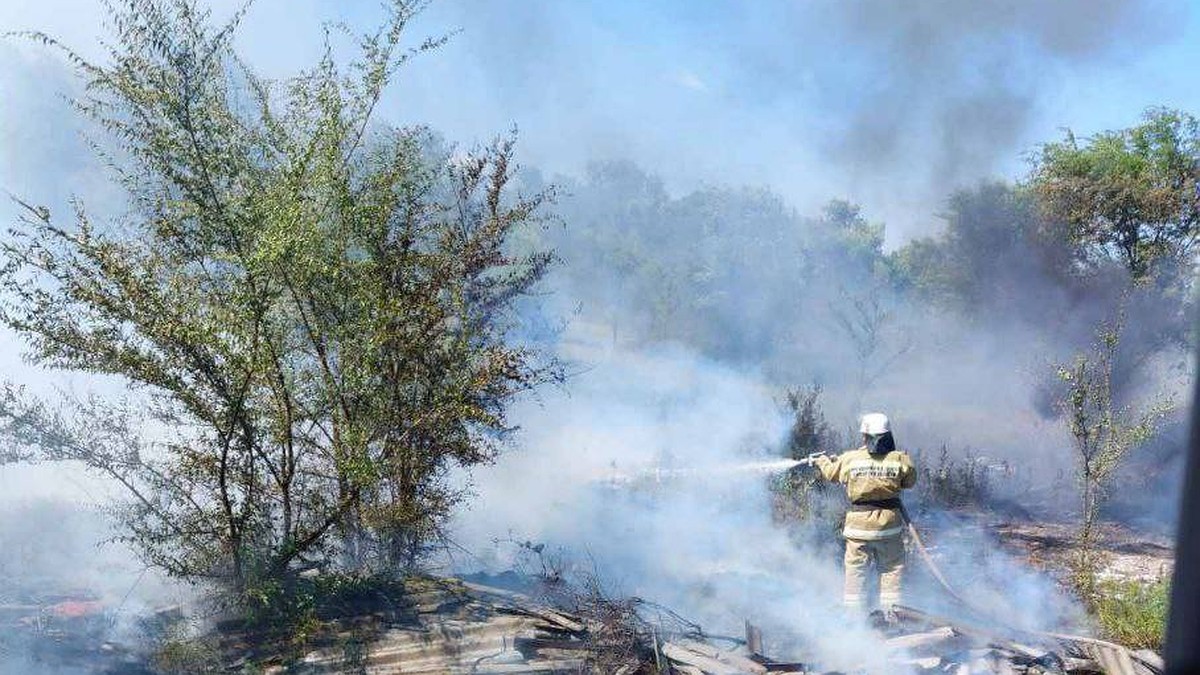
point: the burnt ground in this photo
(1050, 546)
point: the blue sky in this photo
(891, 104)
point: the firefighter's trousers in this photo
(888, 555)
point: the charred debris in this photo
(458, 627)
(452, 626)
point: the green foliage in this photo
(845, 239)
(1133, 612)
(289, 618)
(313, 310)
(1132, 195)
(303, 609)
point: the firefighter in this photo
(874, 475)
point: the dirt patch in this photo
(1050, 547)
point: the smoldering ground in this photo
(74, 600)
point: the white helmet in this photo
(875, 424)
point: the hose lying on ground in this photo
(1122, 654)
(931, 565)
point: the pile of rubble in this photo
(915, 642)
(454, 627)
(443, 626)
(925, 643)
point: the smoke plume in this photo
(691, 302)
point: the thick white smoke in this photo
(698, 536)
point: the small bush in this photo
(1133, 612)
(810, 508)
(1083, 569)
(181, 655)
(952, 482)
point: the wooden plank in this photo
(742, 663)
(492, 590)
(519, 598)
(706, 664)
(925, 663)
(535, 643)
(774, 667)
(548, 615)
(1032, 653)
(562, 666)
(1150, 658)
(937, 636)
(1074, 665)
(699, 647)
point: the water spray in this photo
(660, 474)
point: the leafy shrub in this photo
(180, 655)
(1133, 612)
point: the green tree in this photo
(1104, 433)
(1131, 195)
(844, 244)
(871, 331)
(313, 310)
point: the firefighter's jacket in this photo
(869, 480)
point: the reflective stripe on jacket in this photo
(871, 478)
